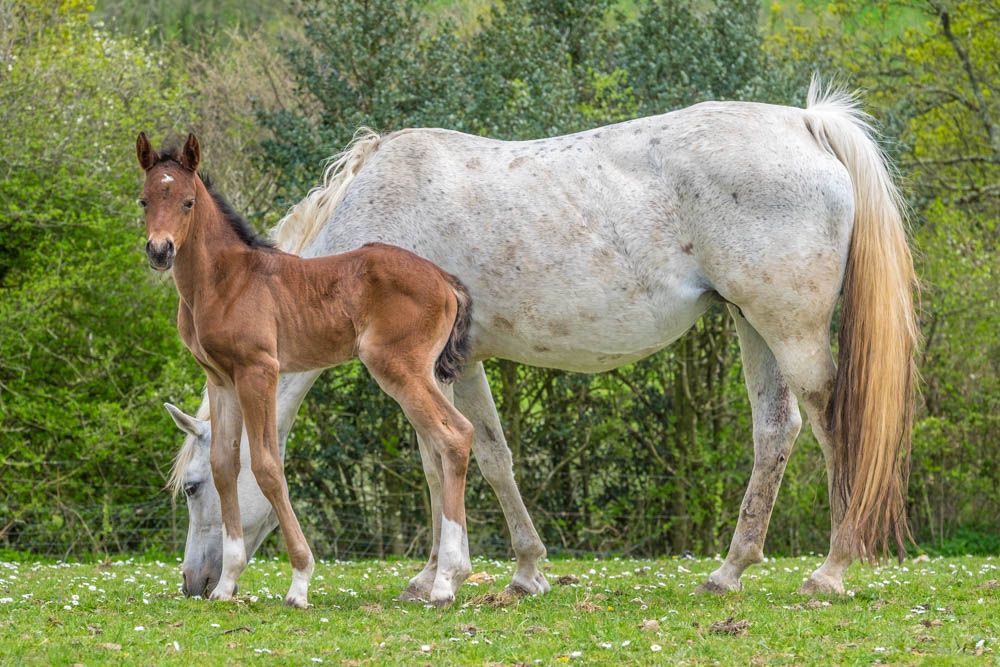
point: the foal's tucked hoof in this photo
(819, 584)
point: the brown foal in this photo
(248, 312)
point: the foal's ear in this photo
(192, 153)
(144, 151)
(187, 423)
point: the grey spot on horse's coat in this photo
(687, 248)
(503, 324)
(540, 348)
(517, 162)
(559, 328)
(735, 198)
(474, 163)
(654, 141)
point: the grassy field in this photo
(943, 611)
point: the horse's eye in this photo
(143, 203)
(188, 204)
(191, 488)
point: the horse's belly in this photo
(582, 332)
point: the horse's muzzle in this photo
(160, 255)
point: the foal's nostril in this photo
(149, 245)
(170, 247)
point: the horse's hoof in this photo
(711, 586)
(414, 594)
(821, 585)
(297, 602)
(443, 601)
(535, 584)
(223, 591)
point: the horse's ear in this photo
(192, 153)
(187, 423)
(144, 151)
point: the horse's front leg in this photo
(256, 386)
(227, 428)
(474, 399)
(420, 586)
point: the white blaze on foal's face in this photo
(167, 178)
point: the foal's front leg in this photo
(227, 430)
(256, 386)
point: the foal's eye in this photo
(143, 203)
(188, 204)
(191, 488)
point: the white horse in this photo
(588, 251)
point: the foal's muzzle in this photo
(160, 255)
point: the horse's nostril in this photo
(170, 246)
(149, 244)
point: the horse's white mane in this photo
(304, 220)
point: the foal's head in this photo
(168, 197)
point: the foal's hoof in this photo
(819, 585)
(297, 602)
(714, 587)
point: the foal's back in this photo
(327, 308)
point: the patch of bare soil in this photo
(730, 627)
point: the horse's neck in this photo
(211, 243)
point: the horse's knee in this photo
(779, 430)
(225, 470)
(269, 475)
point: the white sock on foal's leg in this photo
(454, 566)
(234, 561)
(298, 592)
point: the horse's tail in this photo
(871, 411)
(304, 220)
(448, 366)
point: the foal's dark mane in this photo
(242, 228)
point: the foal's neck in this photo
(211, 250)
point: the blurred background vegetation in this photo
(650, 459)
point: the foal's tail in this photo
(448, 366)
(871, 411)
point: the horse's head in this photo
(202, 564)
(168, 197)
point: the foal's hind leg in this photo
(776, 424)
(436, 421)
(474, 399)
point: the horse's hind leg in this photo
(474, 399)
(807, 363)
(776, 423)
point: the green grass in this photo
(944, 611)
